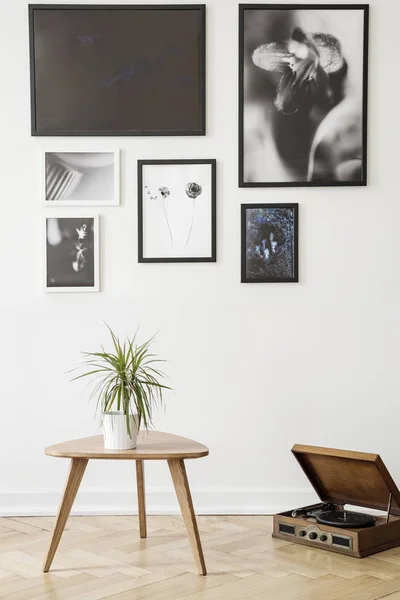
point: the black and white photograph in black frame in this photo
(72, 254)
(81, 178)
(177, 210)
(269, 243)
(117, 69)
(303, 78)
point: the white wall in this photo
(256, 368)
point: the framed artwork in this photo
(270, 243)
(177, 210)
(72, 254)
(117, 69)
(303, 71)
(81, 178)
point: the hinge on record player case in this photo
(389, 508)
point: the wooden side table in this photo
(152, 445)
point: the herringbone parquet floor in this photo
(103, 557)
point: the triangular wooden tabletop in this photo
(152, 445)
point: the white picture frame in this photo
(80, 177)
(55, 234)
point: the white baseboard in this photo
(159, 500)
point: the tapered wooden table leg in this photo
(141, 498)
(78, 466)
(182, 489)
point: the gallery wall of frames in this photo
(302, 122)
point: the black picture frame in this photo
(295, 257)
(213, 225)
(299, 7)
(186, 87)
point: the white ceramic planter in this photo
(115, 431)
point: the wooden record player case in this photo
(343, 477)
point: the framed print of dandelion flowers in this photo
(303, 94)
(177, 210)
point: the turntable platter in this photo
(345, 519)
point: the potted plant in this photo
(127, 387)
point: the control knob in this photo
(323, 537)
(313, 535)
(302, 533)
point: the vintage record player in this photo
(340, 478)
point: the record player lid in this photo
(346, 477)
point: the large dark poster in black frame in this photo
(303, 94)
(117, 69)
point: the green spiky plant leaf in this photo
(126, 379)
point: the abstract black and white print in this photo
(177, 211)
(81, 178)
(72, 254)
(269, 243)
(303, 95)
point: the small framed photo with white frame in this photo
(177, 210)
(72, 254)
(83, 178)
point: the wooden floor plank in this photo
(49, 588)
(374, 592)
(338, 588)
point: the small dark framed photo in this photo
(177, 210)
(270, 243)
(117, 69)
(72, 254)
(303, 86)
